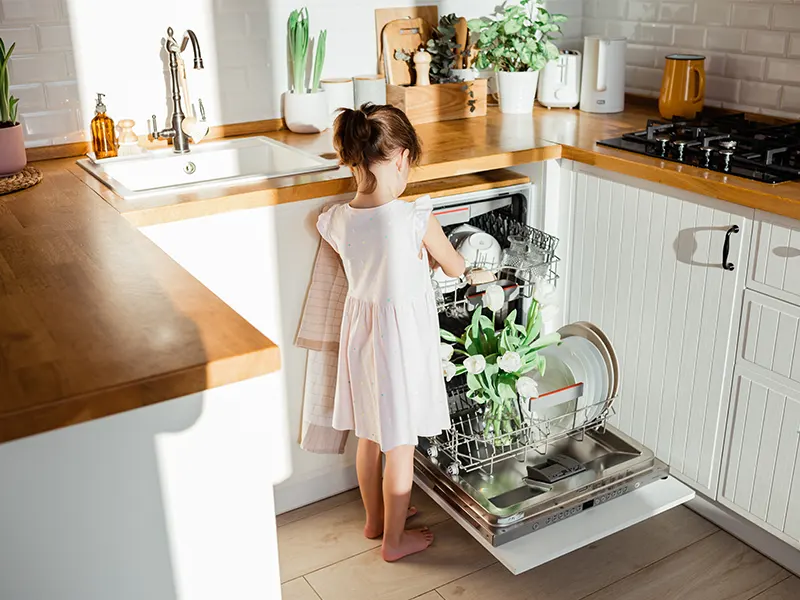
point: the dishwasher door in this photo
(574, 513)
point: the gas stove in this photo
(731, 144)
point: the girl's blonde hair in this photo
(371, 134)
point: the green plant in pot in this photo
(12, 143)
(517, 41)
(305, 107)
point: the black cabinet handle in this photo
(726, 248)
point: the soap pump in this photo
(103, 138)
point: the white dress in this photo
(389, 386)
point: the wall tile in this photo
(751, 15)
(715, 62)
(676, 12)
(740, 66)
(725, 39)
(611, 9)
(38, 67)
(626, 29)
(687, 36)
(766, 42)
(794, 46)
(721, 88)
(654, 33)
(642, 11)
(713, 12)
(790, 99)
(783, 70)
(49, 124)
(30, 11)
(54, 37)
(760, 94)
(786, 16)
(62, 94)
(641, 56)
(30, 95)
(594, 26)
(642, 77)
(23, 37)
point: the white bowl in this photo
(480, 249)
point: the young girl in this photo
(389, 387)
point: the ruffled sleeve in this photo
(325, 225)
(423, 207)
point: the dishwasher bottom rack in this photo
(471, 445)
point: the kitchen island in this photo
(198, 372)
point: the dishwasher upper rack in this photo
(501, 225)
(468, 448)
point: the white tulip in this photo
(544, 292)
(475, 365)
(509, 362)
(527, 388)
(445, 351)
(549, 312)
(448, 370)
(494, 298)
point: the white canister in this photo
(517, 91)
(340, 94)
(369, 88)
(465, 74)
(306, 113)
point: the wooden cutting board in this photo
(402, 34)
(383, 16)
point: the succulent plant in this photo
(8, 104)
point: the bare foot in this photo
(412, 541)
(373, 532)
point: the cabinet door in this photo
(762, 471)
(647, 268)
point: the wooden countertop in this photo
(468, 146)
(96, 320)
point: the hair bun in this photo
(361, 127)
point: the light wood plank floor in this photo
(675, 556)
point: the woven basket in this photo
(28, 177)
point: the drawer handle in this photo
(726, 248)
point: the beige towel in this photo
(318, 332)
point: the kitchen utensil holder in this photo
(468, 447)
(501, 226)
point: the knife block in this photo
(439, 101)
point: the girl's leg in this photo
(397, 479)
(369, 467)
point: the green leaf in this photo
(511, 27)
(473, 383)
(449, 337)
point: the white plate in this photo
(581, 331)
(480, 249)
(611, 357)
(590, 375)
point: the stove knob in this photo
(707, 150)
(727, 153)
(663, 139)
(681, 146)
(728, 144)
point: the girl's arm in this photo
(440, 248)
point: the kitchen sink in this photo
(243, 160)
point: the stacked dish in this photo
(479, 249)
(581, 380)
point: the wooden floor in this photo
(675, 556)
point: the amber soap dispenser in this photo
(103, 137)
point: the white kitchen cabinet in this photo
(646, 266)
(762, 470)
(775, 257)
(770, 337)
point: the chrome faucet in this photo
(180, 141)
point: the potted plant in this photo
(517, 42)
(498, 363)
(12, 144)
(305, 109)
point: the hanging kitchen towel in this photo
(318, 332)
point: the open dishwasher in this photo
(560, 482)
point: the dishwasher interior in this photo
(557, 464)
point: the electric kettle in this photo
(603, 78)
(559, 82)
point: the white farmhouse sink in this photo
(244, 160)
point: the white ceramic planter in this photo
(517, 91)
(306, 113)
(12, 150)
(465, 74)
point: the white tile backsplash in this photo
(752, 48)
